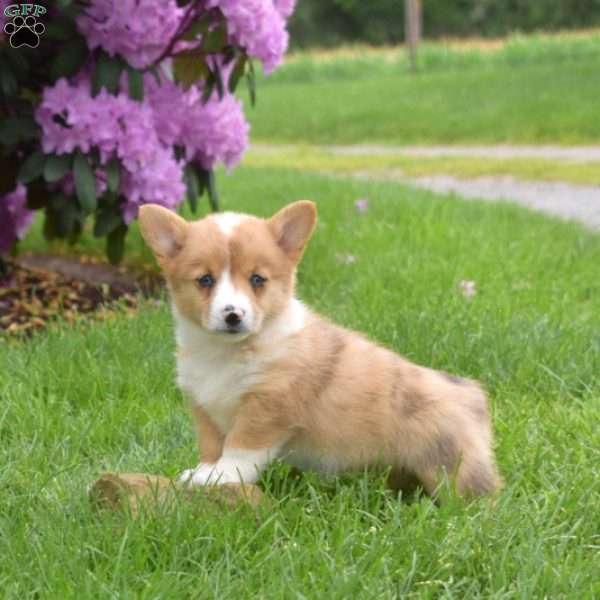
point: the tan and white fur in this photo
(269, 379)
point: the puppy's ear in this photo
(163, 230)
(292, 227)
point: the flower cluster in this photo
(143, 135)
(211, 132)
(14, 217)
(117, 127)
(285, 7)
(156, 137)
(258, 26)
(138, 30)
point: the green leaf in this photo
(197, 27)
(215, 40)
(135, 79)
(213, 197)
(9, 166)
(19, 63)
(251, 81)
(202, 175)
(8, 81)
(107, 74)
(113, 174)
(18, 129)
(65, 214)
(209, 86)
(75, 233)
(229, 53)
(37, 195)
(57, 201)
(219, 82)
(85, 183)
(69, 59)
(189, 67)
(237, 72)
(115, 244)
(50, 229)
(107, 221)
(191, 180)
(32, 168)
(57, 166)
(60, 28)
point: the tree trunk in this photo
(412, 26)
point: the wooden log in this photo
(131, 491)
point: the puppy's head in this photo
(229, 273)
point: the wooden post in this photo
(412, 29)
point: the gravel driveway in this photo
(569, 153)
(565, 200)
(568, 201)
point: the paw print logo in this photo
(24, 31)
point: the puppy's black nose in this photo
(232, 319)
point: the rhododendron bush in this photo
(125, 102)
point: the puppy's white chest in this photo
(217, 382)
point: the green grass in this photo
(97, 397)
(310, 158)
(484, 98)
(356, 62)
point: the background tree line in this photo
(332, 22)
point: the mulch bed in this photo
(38, 289)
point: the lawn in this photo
(530, 90)
(324, 159)
(93, 397)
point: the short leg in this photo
(478, 476)
(210, 444)
(474, 474)
(401, 480)
(257, 436)
(236, 465)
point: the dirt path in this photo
(572, 153)
(568, 201)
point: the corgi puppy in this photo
(269, 379)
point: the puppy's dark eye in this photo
(206, 281)
(257, 281)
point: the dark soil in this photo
(37, 289)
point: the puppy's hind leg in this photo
(470, 471)
(477, 475)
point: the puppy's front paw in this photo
(215, 474)
(198, 476)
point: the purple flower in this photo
(117, 126)
(213, 132)
(14, 217)
(3, 5)
(67, 184)
(138, 30)
(467, 288)
(284, 7)
(362, 205)
(257, 26)
(160, 181)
